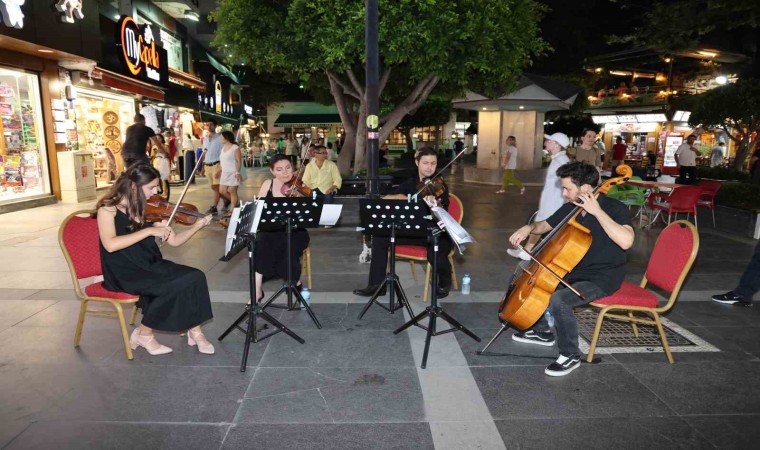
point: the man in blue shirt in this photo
(212, 167)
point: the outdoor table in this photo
(651, 185)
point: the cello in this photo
(554, 257)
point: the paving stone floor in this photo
(354, 384)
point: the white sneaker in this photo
(517, 253)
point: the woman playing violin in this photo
(173, 297)
(600, 272)
(271, 246)
(427, 162)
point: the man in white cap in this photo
(551, 195)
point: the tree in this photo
(446, 45)
(735, 108)
(434, 111)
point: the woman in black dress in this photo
(271, 246)
(172, 297)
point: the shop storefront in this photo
(640, 134)
(24, 171)
(31, 50)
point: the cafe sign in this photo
(140, 55)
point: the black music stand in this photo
(245, 235)
(290, 213)
(391, 218)
(434, 311)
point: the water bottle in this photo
(549, 318)
(306, 294)
(466, 284)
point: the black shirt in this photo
(409, 187)
(604, 262)
(136, 141)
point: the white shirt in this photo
(551, 195)
(512, 163)
(686, 157)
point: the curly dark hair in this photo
(128, 186)
(580, 173)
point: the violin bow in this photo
(428, 181)
(187, 185)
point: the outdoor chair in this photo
(630, 195)
(306, 266)
(707, 198)
(681, 200)
(414, 253)
(670, 262)
(79, 241)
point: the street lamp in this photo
(454, 135)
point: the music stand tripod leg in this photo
(289, 286)
(433, 311)
(392, 285)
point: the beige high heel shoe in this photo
(139, 340)
(199, 339)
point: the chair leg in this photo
(414, 271)
(124, 333)
(664, 339)
(695, 219)
(669, 218)
(307, 262)
(713, 214)
(634, 327)
(134, 315)
(80, 323)
(595, 337)
(427, 283)
(454, 282)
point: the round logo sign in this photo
(373, 121)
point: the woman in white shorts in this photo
(231, 159)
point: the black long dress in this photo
(272, 251)
(173, 297)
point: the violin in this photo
(158, 209)
(558, 254)
(431, 186)
(296, 188)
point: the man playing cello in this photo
(599, 273)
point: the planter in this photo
(357, 185)
(742, 222)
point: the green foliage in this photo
(465, 42)
(722, 173)
(739, 195)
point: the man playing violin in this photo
(600, 272)
(427, 162)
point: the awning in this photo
(205, 115)
(307, 120)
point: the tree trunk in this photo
(741, 153)
(360, 155)
(408, 135)
(346, 156)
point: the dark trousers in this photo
(688, 174)
(379, 261)
(561, 305)
(750, 281)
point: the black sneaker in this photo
(534, 337)
(563, 365)
(730, 298)
(212, 210)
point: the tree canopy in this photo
(735, 108)
(443, 45)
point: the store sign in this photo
(218, 96)
(69, 10)
(140, 55)
(11, 12)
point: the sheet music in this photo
(330, 214)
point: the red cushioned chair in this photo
(79, 241)
(707, 198)
(681, 200)
(414, 253)
(671, 260)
